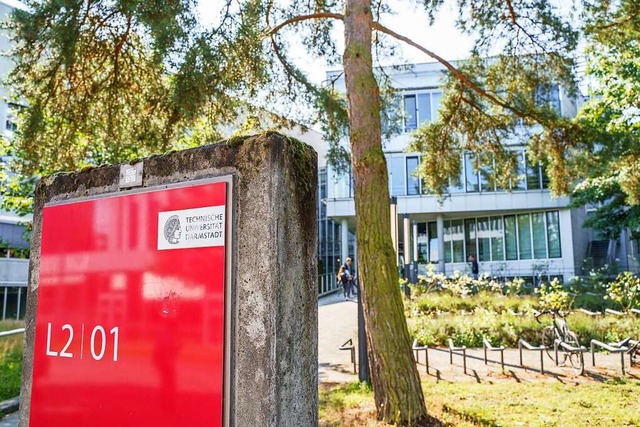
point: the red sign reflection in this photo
(130, 316)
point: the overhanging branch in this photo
(457, 73)
(300, 18)
(379, 27)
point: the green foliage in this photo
(553, 296)
(625, 290)
(10, 361)
(486, 101)
(442, 302)
(610, 169)
(463, 285)
(505, 328)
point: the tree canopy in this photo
(111, 81)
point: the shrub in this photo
(624, 290)
(505, 329)
(553, 296)
(10, 362)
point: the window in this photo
(553, 234)
(423, 243)
(510, 237)
(545, 177)
(539, 236)
(397, 176)
(413, 182)
(533, 175)
(549, 94)
(484, 239)
(471, 176)
(454, 241)
(497, 239)
(518, 183)
(410, 113)
(524, 236)
(420, 108)
(470, 237)
(434, 255)
(456, 184)
(12, 112)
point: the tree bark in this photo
(394, 375)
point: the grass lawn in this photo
(507, 403)
(10, 361)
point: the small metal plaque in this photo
(130, 175)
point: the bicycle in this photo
(558, 333)
(633, 351)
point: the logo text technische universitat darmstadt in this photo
(191, 228)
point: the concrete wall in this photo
(273, 372)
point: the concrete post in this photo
(271, 370)
(440, 227)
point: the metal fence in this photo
(327, 283)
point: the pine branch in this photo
(300, 18)
(457, 73)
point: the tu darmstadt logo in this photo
(172, 230)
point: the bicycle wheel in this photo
(548, 337)
(576, 358)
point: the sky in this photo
(442, 38)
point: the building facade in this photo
(518, 232)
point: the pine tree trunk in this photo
(394, 375)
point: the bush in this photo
(441, 302)
(553, 296)
(505, 329)
(10, 361)
(625, 290)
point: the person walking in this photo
(345, 276)
(474, 266)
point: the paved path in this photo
(337, 323)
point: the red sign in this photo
(130, 324)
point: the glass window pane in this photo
(486, 180)
(448, 254)
(553, 234)
(457, 240)
(511, 238)
(497, 239)
(413, 183)
(423, 243)
(533, 175)
(470, 237)
(397, 176)
(424, 107)
(471, 176)
(433, 242)
(518, 183)
(456, 184)
(436, 99)
(484, 236)
(410, 117)
(23, 302)
(545, 177)
(524, 236)
(539, 236)
(554, 97)
(12, 302)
